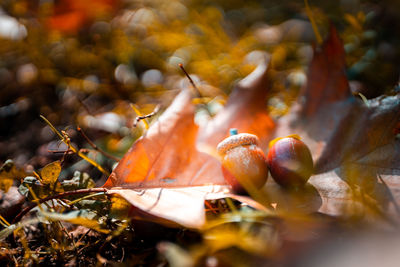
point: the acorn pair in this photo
(245, 166)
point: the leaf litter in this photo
(171, 171)
(347, 139)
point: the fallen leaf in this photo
(175, 152)
(245, 110)
(50, 172)
(8, 173)
(170, 154)
(354, 145)
(166, 156)
(172, 206)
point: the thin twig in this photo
(84, 106)
(57, 196)
(59, 151)
(198, 94)
(139, 118)
(95, 147)
(64, 137)
(85, 197)
(210, 207)
(191, 81)
(83, 236)
(67, 234)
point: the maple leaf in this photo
(353, 143)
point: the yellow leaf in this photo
(8, 172)
(5, 182)
(119, 206)
(50, 172)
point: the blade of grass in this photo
(312, 21)
(4, 222)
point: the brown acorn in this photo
(290, 162)
(244, 164)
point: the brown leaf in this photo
(169, 154)
(172, 153)
(245, 110)
(354, 145)
(166, 156)
(50, 172)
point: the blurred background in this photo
(81, 62)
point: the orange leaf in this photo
(166, 156)
(171, 154)
(70, 15)
(354, 145)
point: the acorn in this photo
(290, 162)
(244, 164)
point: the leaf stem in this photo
(190, 80)
(95, 147)
(144, 117)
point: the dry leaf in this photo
(172, 206)
(8, 173)
(354, 145)
(172, 153)
(169, 154)
(50, 172)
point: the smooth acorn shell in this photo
(244, 164)
(290, 162)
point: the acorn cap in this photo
(237, 140)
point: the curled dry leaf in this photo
(354, 145)
(172, 153)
